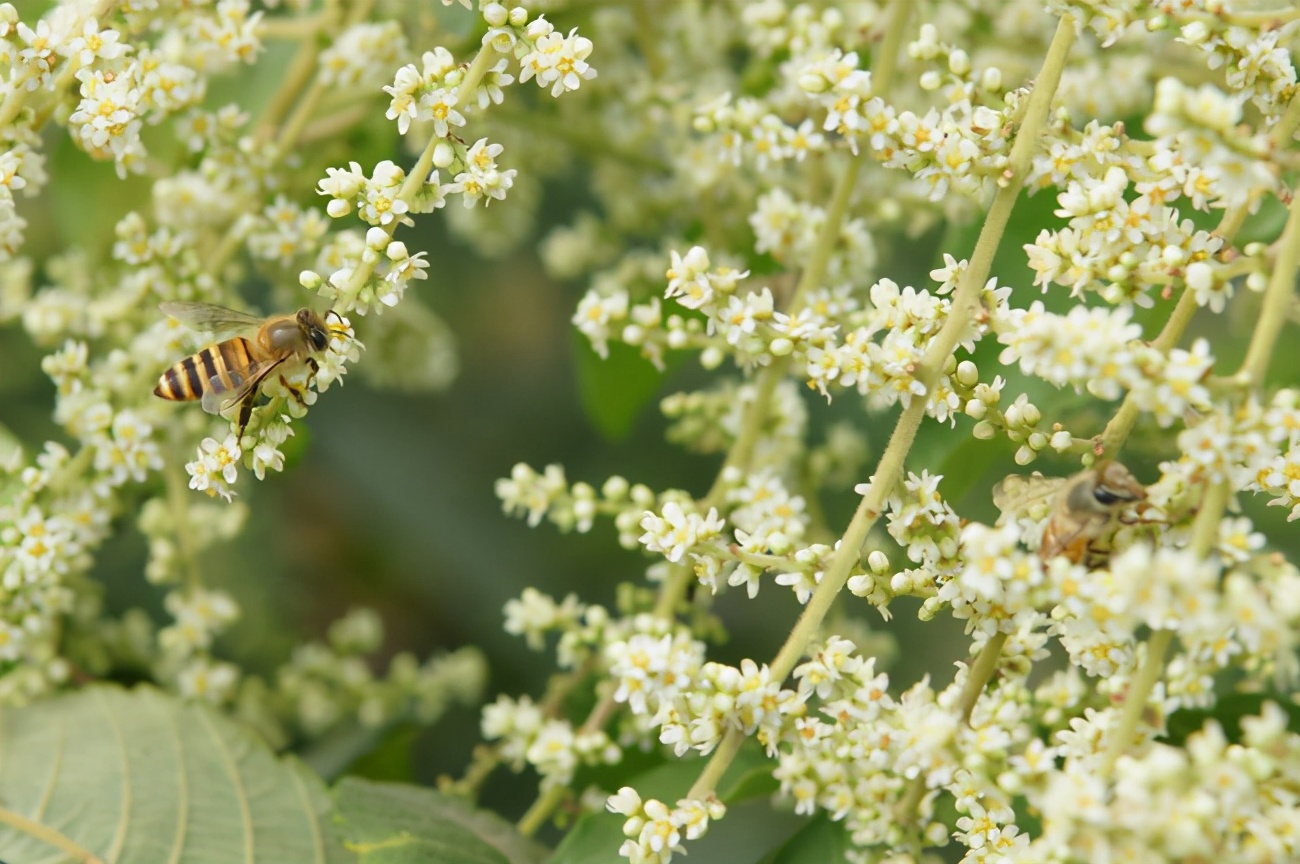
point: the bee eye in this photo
(318, 339)
(1107, 498)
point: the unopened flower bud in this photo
(614, 488)
(812, 82)
(444, 154)
(496, 15)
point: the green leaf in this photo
(1228, 711)
(391, 823)
(391, 758)
(757, 782)
(750, 776)
(616, 389)
(819, 841)
(139, 777)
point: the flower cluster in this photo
(1176, 585)
(325, 683)
(655, 831)
(223, 206)
(551, 746)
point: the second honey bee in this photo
(1084, 508)
(231, 372)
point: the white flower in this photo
(676, 531)
(558, 62)
(209, 681)
(217, 467)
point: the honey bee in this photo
(1084, 508)
(231, 372)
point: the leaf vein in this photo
(124, 821)
(182, 792)
(317, 842)
(232, 770)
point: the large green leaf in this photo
(138, 777)
(819, 840)
(614, 389)
(392, 823)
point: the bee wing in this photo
(218, 397)
(1017, 493)
(207, 316)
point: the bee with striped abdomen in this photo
(230, 372)
(1083, 508)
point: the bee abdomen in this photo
(195, 375)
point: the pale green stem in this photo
(540, 810)
(1270, 18)
(48, 835)
(13, 104)
(178, 499)
(302, 112)
(646, 34)
(334, 123)
(1119, 427)
(1117, 430)
(290, 29)
(1204, 532)
(295, 79)
(1280, 135)
(1281, 288)
(981, 671)
(419, 175)
(718, 763)
(977, 679)
(965, 303)
(1135, 700)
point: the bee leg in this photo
(302, 400)
(245, 413)
(297, 394)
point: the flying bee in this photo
(1083, 508)
(231, 372)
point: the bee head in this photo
(1115, 486)
(314, 329)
